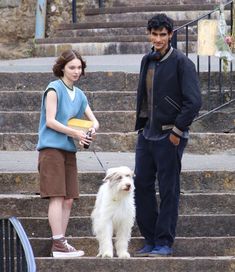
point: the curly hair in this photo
(63, 59)
(160, 21)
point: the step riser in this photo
(144, 16)
(183, 247)
(113, 32)
(123, 121)
(137, 265)
(118, 3)
(89, 182)
(102, 48)
(188, 226)
(96, 81)
(189, 204)
(114, 101)
(116, 142)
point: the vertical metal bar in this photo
(220, 81)
(18, 254)
(74, 11)
(1, 246)
(6, 232)
(209, 84)
(174, 40)
(101, 3)
(12, 248)
(24, 263)
(186, 40)
(231, 18)
(231, 80)
(198, 65)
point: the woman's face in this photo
(72, 70)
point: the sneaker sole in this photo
(58, 254)
(141, 255)
(159, 255)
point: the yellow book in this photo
(80, 124)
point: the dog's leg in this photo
(121, 244)
(105, 241)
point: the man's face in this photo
(160, 39)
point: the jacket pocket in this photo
(167, 110)
(172, 103)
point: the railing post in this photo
(174, 40)
(101, 3)
(40, 19)
(74, 11)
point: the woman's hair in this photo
(63, 59)
(160, 21)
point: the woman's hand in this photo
(82, 137)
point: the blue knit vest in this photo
(66, 109)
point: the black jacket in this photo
(176, 93)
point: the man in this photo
(168, 99)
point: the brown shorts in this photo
(58, 173)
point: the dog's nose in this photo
(128, 186)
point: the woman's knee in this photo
(68, 203)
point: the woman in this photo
(62, 101)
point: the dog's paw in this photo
(99, 255)
(107, 254)
(124, 255)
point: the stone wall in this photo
(17, 23)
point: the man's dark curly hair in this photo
(160, 21)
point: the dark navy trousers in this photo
(157, 161)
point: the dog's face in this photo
(120, 178)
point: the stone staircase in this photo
(205, 235)
(120, 28)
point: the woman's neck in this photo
(68, 83)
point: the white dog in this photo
(114, 212)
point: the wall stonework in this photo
(17, 20)
(9, 3)
(17, 23)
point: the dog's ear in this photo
(109, 176)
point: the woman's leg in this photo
(55, 215)
(66, 209)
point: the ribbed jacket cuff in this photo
(177, 132)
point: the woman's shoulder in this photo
(56, 84)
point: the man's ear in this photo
(171, 35)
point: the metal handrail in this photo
(16, 246)
(203, 16)
(222, 99)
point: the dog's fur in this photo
(114, 212)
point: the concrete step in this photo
(190, 203)
(111, 80)
(188, 226)
(101, 48)
(183, 246)
(26, 161)
(170, 8)
(114, 100)
(194, 181)
(109, 25)
(171, 264)
(127, 14)
(120, 3)
(104, 39)
(112, 121)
